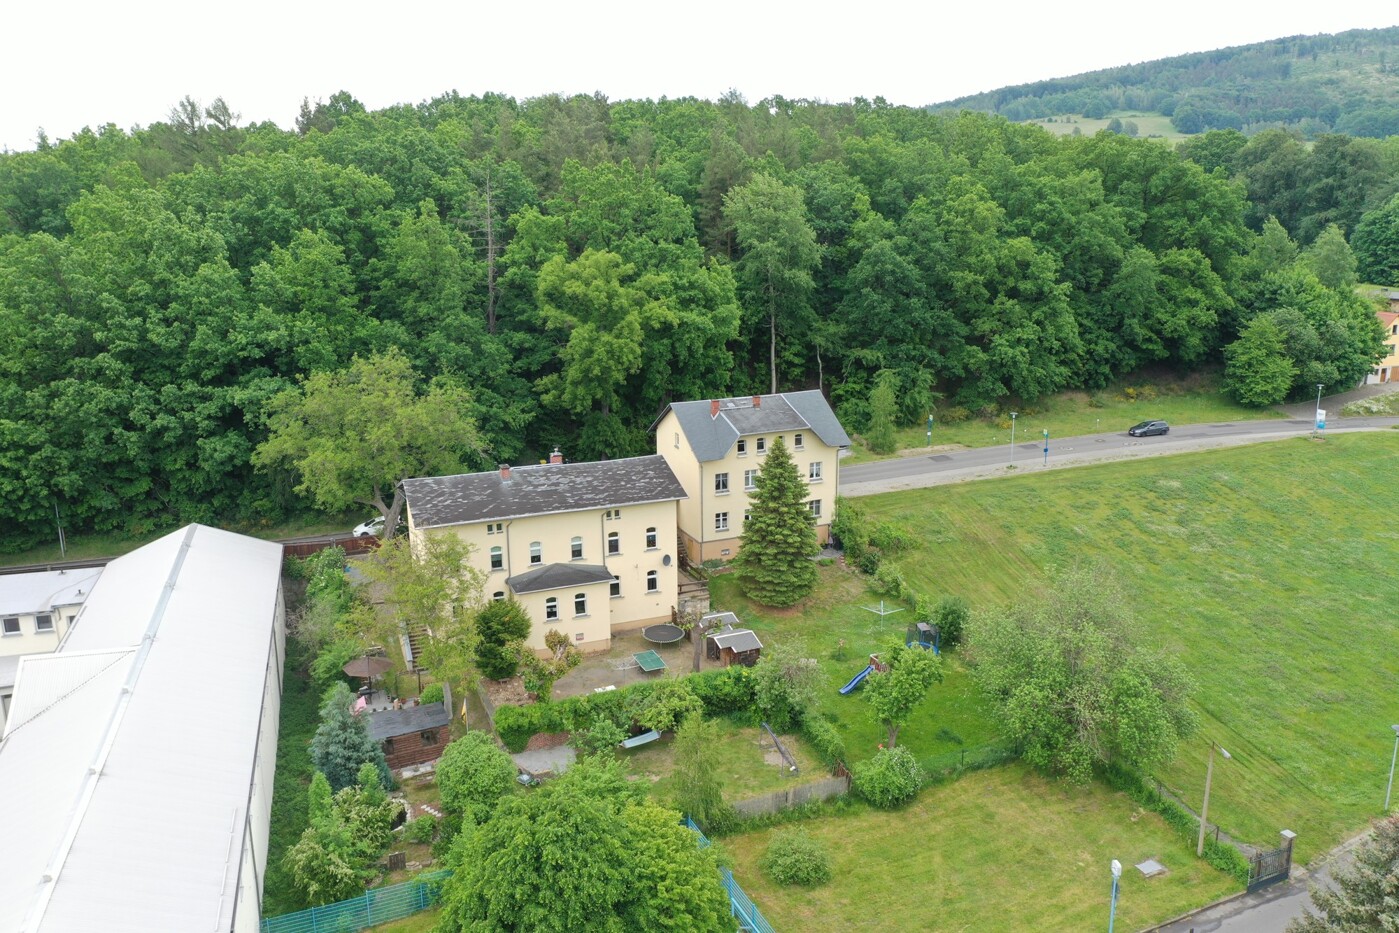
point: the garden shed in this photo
(412, 735)
(734, 646)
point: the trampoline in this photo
(663, 634)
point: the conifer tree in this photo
(779, 536)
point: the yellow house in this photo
(1387, 369)
(587, 548)
(717, 447)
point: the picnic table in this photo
(650, 662)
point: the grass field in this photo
(1153, 125)
(953, 718)
(1073, 413)
(997, 850)
(1267, 568)
(739, 761)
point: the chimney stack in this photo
(757, 401)
(714, 408)
(556, 456)
(505, 471)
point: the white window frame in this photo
(551, 609)
(495, 528)
(5, 626)
(653, 581)
(797, 442)
(742, 447)
(652, 539)
(813, 472)
(497, 558)
(614, 589)
(580, 605)
(814, 507)
(721, 521)
(575, 548)
(498, 596)
(39, 627)
(762, 446)
(721, 484)
(750, 480)
(614, 543)
(536, 553)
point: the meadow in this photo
(1265, 568)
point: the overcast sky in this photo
(64, 66)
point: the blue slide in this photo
(856, 680)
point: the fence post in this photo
(313, 921)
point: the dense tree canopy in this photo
(553, 271)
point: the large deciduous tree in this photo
(1076, 680)
(1257, 369)
(779, 254)
(351, 437)
(774, 563)
(583, 853)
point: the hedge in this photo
(722, 692)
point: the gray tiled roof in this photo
(712, 438)
(741, 640)
(555, 576)
(388, 723)
(435, 501)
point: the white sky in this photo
(65, 65)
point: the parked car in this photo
(375, 528)
(1148, 428)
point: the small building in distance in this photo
(588, 549)
(36, 610)
(717, 447)
(412, 735)
(728, 643)
(1387, 369)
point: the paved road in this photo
(915, 471)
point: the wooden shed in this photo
(734, 646)
(412, 735)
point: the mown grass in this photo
(739, 762)
(1071, 414)
(1149, 124)
(1266, 568)
(1004, 849)
(954, 717)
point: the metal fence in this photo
(750, 918)
(376, 906)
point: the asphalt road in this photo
(913, 471)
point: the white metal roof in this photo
(125, 765)
(43, 590)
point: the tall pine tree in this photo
(779, 536)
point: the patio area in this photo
(619, 668)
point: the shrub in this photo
(1003, 423)
(888, 536)
(950, 615)
(955, 415)
(824, 738)
(888, 779)
(517, 724)
(501, 622)
(602, 737)
(473, 773)
(793, 857)
(724, 691)
(328, 667)
(432, 693)
(668, 705)
(422, 830)
(786, 683)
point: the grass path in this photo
(1267, 568)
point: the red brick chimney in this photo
(505, 471)
(714, 408)
(556, 456)
(757, 401)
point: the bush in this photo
(422, 830)
(602, 737)
(668, 705)
(328, 667)
(432, 693)
(824, 738)
(888, 779)
(473, 773)
(955, 415)
(725, 691)
(500, 623)
(516, 725)
(793, 857)
(950, 615)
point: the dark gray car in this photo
(1148, 428)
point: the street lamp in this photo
(1012, 437)
(1116, 876)
(1205, 807)
(1317, 420)
(1391, 768)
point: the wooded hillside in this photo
(573, 264)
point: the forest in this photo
(1344, 83)
(569, 265)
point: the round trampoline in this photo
(663, 634)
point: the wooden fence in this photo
(350, 543)
(793, 796)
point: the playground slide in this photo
(856, 680)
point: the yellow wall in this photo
(593, 627)
(697, 513)
(28, 641)
(635, 607)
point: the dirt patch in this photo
(935, 449)
(545, 740)
(510, 692)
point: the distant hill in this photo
(1343, 83)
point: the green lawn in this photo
(1266, 567)
(997, 850)
(741, 764)
(1154, 125)
(953, 718)
(1070, 414)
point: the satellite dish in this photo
(665, 561)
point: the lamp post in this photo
(1046, 446)
(1012, 437)
(1317, 420)
(1116, 876)
(1205, 807)
(1391, 768)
